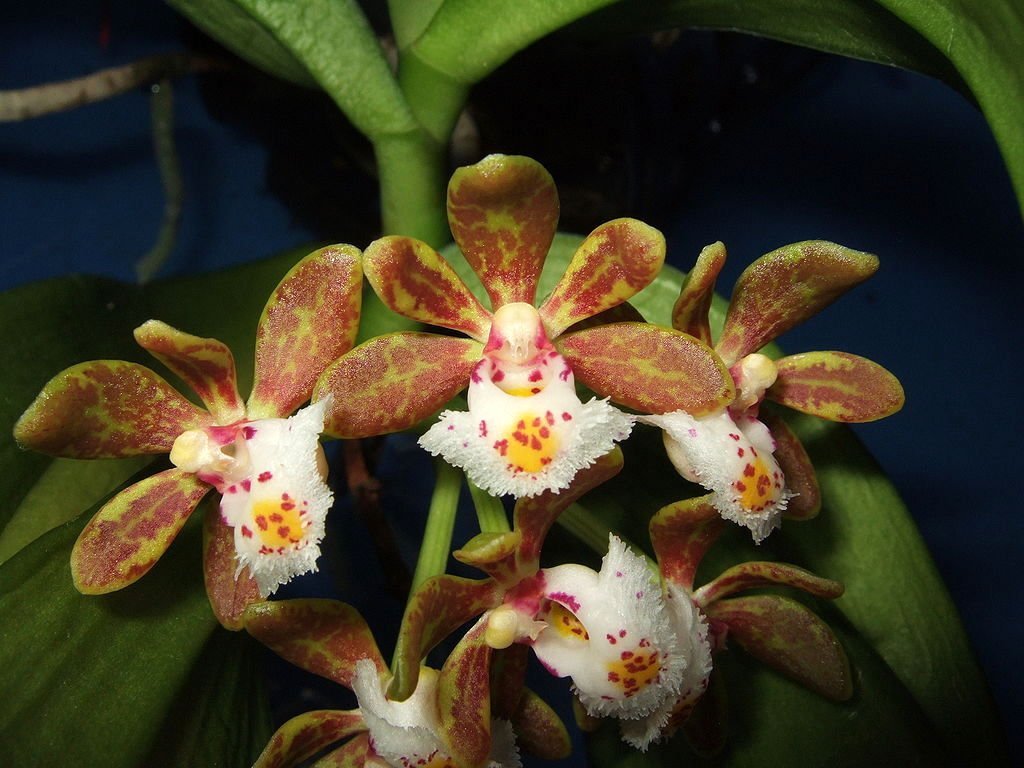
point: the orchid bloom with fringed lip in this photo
(526, 430)
(268, 468)
(759, 472)
(331, 639)
(778, 631)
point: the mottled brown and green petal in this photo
(229, 595)
(801, 479)
(784, 288)
(132, 530)
(539, 730)
(616, 261)
(325, 637)
(706, 725)
(789, 638)
(415, 281)
(623, 313)
(681, 534)
(836, 386)
(690, 313)
(492, 553)
(107, 409)
(755, 574)
(503, 213)
(438, 607)
(205, 365)
(392, 382)
(464, 699)
(649, 368)
(311, 319)
(304, 735)
(534, 516)
(351, 755)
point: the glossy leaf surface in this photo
(133, 530)
(836, 386)
(395, 381)
(503, 212)
(325, 637)
(106, 409)
(649, 368)
(310, 320)
(784, 288)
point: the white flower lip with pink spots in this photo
(733, 459)
(406, 734)
(526, 430)
(273, 494)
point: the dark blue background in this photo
(799, 146)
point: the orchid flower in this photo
(331, 639)
(756, 473)
(268, 468)
(526, 431)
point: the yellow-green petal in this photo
(304, 735)
(690, 313)
(229, 595)
(836, 386)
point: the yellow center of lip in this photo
(755, 487)
(531, 444)
(277, 522)
(634, 670)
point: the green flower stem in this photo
(489, 511)
(437, 534)
(411, 168)
(594, 532)
(436, 100)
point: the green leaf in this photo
(88, 681)
(237, 30)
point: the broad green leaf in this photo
(89, 680)
(410, 17)
(239, 31)
(338, 47)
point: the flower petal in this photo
(784, 288)
(836, 386)
(106, 409)
(229, 592)
(392, 382)
(279, 509)
(538, 728)
(310, 320)
(690, 313)
(791, 639)
(525, 445)
(503, 213)
(615, 262)
(734, 460)
(437, 608)
(464, 699)
(304, 735)
(132, 530)
(351, 755)
(325, 637)
(415, 281)
(206, 365)
(612, 633)
(649, 368)
(705, 723)
(753, 574)
(801, 479)
(681, 535)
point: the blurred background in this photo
(708, 136)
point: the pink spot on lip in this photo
(568, 600)
(264, 476)
(246, 484)
(248, 432)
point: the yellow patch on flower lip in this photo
(277, 522)
(564, 622)
(531, 444)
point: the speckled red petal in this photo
(789, 638)
(503, 213)
(784, 288)
(615, 262)
(539, 730)
(304, 735)
(106, 409)
(796, 466)
(414, 280)
(690, 313)
(205, 365)
(351, 755)
(325, 637)
(755, 574)
(436, 609)
(132, 530)
(649, 368)
(311, 319)
(229, 596)
(392, 382)
(464, 699)
(681, 534)
(836, 386)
